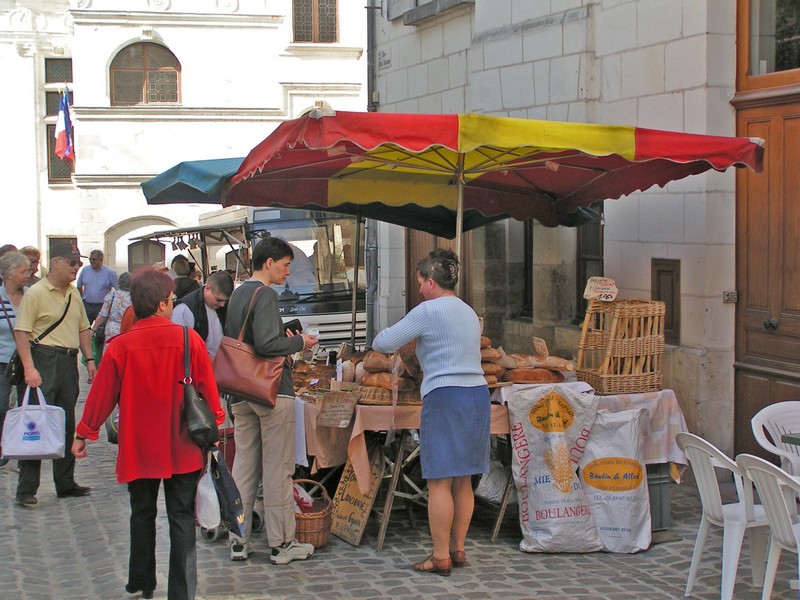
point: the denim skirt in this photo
(454, 432)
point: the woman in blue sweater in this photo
(456, 411)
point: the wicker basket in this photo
(314, 527)
(621, 349)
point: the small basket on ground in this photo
(314, 526)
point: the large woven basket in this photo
(314, 527)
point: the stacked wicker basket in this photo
(621, 350)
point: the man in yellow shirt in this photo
(51, 362)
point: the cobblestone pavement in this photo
(77, 548)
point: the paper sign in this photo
(337, 409)
(540, 346)
(601, 288)
(338, 369)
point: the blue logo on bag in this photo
(32, 435)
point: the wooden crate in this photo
(622, 346)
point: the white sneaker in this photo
(294, 550)
(240, 551)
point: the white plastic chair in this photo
(777, 490)
(735, 517)
(777, 419)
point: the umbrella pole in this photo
(355, 283)
(460, 205)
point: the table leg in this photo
(503, 505)
(387, 507)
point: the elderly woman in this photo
(456, 409)
(115, 304)
(141, 372)
(14, 269)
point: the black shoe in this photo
(26, 500)
(146, 594)
(75, 492)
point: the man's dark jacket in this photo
(194, 302)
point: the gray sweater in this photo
(265, 331)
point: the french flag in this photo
(65, 143)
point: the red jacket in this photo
(140, 371)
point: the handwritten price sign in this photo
(602, 288)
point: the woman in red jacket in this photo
(141, 372)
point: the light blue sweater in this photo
(448, 338)
(7, 345)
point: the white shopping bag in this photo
(34, 432)
(206, 502)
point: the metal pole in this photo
(355, 282)
(459, 204)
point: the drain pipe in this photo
(372, 95)
(371, 260)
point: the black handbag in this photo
(15, 372)
(199, 419)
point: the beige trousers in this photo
(265, 451)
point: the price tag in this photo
(601, 288)
(338, 369)
(540, 346)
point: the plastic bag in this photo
(112, 426)
(206, 501)
(492, 485)
(302, 500)
(34, 432)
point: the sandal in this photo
(442, 566)
(459, 557)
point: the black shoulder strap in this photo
(8, 319)
(186, 376)
(47, 331)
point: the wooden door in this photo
(767, 368)
(418, 245)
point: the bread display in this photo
(408, 354)
(490, 379)
(533, 375)
(542, 362)
(489, 354)
(485, 342)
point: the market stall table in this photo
(401, 419)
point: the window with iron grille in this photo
(144, 252)
(315, 21)
(145, 73)
(57, 74)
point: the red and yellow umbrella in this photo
(449, 173)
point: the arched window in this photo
(145, 73)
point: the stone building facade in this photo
(242, 69)
(650, 63)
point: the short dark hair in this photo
(441, 266)
(180, 264)
(220, 282)
(270, 247)
(148, 288)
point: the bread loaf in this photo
(384, 380)
(528, 375)
(539, 361)
(376, 362)
(485, 342)
(360, 372)
(490, 379)
(490, 368)
(489, 354)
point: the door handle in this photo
(771, 323)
